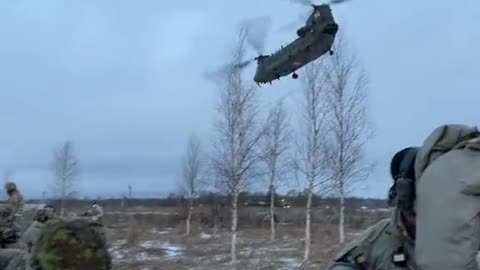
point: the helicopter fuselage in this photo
(316, 40)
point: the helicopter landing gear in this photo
(295, 76)
(330, 52)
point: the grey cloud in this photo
(123, 80)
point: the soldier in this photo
(75, 244)
(14, 209)
(31, 235)
(11, 216)
(389, 243)
(448, 199)
(62, 244)
(96, 213)
(50, 211)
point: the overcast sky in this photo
(124, 80)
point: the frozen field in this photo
(136, 245)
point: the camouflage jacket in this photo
(96, 213)
(383, 246)
(14, 208)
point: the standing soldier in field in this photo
(11, 214)
(14, 203)
(95, 213)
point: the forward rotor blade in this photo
(336, 2)
(303, 2)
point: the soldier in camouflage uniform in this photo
(12, 213)
(32, 234)
(75, 244)
(388, 244)
(62, 245)
(14, 209)
(95, 213)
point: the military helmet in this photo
(10, 186)
(71, 244)
(402, 163)
(402, 170)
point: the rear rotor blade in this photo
(257, 30)
(297, 23)
(244, 64)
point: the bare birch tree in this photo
(274, 148)
(191, 176)
(65, 172)
(238, 133)
(310, 159)
(347, 123)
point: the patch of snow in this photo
(205, 235)
(144, 256)
(151, 244)
(172, 250)
(290, 263)
(117, 251)
(169, 249)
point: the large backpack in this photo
(71, 245)
(448, 199)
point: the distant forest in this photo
(297, 199)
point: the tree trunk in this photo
(233, 249)
(272, 214)
(62, 207)
(341, 223)
(308, 231)
(189, 216)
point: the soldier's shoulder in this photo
(365, 239)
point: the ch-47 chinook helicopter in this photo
(314, 39)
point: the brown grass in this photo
(255, 249)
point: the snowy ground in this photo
(148, 242)
(169, 250)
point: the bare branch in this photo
(311, 158)
(191, 171)
(65, 171)
(236, 155)
(347, 121)
(274, 149)
(191, 168)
